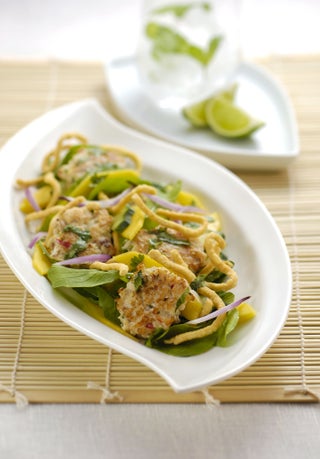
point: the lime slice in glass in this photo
(228, 120)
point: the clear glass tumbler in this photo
(187, 50)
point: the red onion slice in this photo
(173, 206)
(36, 238)
(218, 312)
(85, 259)
(105, 203)
(30, 198)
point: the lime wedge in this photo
(196, 113)
(228, 120)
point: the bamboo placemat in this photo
(44, 360)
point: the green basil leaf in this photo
(228, 325)
(103, 299)
(189, 348)
(61, 276)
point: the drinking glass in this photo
(187, 50)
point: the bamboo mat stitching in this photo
(304, 389)
(106, 394)
(20, 399)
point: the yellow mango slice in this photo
(115, 181)
(246, 312)
(192, 310)
(135, 225)
(127, 257)
(188, 199)
(40, 261)
(83, 188)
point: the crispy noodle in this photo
(185, 230)
(177, 268)
(52, 159)
(121, 267)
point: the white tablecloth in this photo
(240, 431)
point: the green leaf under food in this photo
(228, 325)
(195, 346)
(227, 297)
(106, 301)
(61, 276)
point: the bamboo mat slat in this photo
(47, 361)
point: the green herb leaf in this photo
(195, 346)
(121, 223)
(79, 246)
(186, 349)
(228, 325)
(198, 282)
(135, 261)
(182, 298)
(163, 236)
(70, 154)
(138, 280)
(61, 276)
(227, 297)
(45, 251)
(82, 233)
(103, 299)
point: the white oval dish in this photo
(254, 241)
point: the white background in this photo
(96, 30)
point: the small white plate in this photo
(273, 147)
(254, 241)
